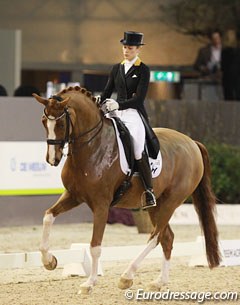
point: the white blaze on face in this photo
(51, 135)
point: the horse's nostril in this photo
(56, 162)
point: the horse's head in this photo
(71, 116)
(56, 121)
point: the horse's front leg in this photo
(49, 261)
(100, 219)
(64, 203)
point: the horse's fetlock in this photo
(46, 258)
(95, 251)
(43, 250)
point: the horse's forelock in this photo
(58, 98)
(55, 105)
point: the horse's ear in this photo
(64, 102)
(40, 99)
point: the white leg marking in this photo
(163, 278)
(51, 135)
(165, 270)
(132, 268)
(86, 287)
(44, 246)
(95, 253)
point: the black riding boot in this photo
(146, 175)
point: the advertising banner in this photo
(24, 170)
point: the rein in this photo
(100, 122)
(67, 138)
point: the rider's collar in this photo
(136, 63)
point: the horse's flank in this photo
(182, 161)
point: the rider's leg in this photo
(134, 123)
(146, 175)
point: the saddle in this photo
(126, 141)
(152, 149)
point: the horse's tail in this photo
(205, 202)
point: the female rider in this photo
(130, 79)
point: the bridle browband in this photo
(67, 138)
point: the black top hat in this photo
(132, 39)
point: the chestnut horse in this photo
(92, 174)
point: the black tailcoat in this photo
(131, 88)
(203, 57)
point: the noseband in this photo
(67, 138)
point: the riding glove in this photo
(98, 100)
(111, 105)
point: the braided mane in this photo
(80, 90)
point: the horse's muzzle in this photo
(56, 162)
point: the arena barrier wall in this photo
(77, 259)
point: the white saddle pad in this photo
(155, 164)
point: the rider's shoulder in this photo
(115, 67)
(144, 66)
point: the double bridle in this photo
(67, 138)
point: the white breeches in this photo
(133, 122)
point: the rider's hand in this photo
(98, 100)
(111, 105)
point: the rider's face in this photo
(130, 52)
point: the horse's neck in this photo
(85, 119)
(102, 147)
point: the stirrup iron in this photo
(150, 199)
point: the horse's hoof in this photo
(85, 290)
(155, 286)
(125, 283)
(52, 265)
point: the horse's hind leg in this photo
(160, 217)
(167, 243)
(64, 203)
(126, 279)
